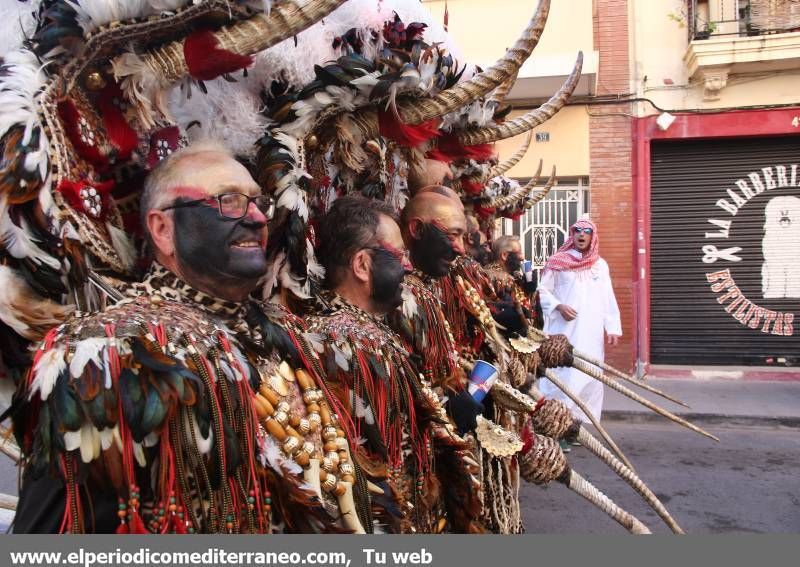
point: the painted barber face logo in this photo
(757, 287)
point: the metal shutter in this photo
(688, 323)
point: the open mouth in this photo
(250, 243)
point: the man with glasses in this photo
(578, 301)
(177, 409)
(408, 450)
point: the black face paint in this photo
(206, 252)
(387, 279)
(513, 262)
(433, 251)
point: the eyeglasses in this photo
(578, 230)
(232, 206)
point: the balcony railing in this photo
(741, 18)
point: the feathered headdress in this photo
(85, 95)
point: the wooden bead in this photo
(294, 421)
(293, 432)
(271, 396)
(302, 458)
(312, 408)
(275, 429)
(330, 446)
(325, 414)
(340, 489)
(304, 379)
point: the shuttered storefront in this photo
(725, 252)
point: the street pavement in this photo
(746, 483)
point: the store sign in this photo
(778, 261)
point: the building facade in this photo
(682, 143)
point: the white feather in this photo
(72, 440)
(410, 306)
(46, 372)
(122, 245)
(341, 359)
(106, 438)
(18, 241)
(86, 350)
(96, 13)
(316, 341)
(138, 454)
(90, 442)
(362, 409)
(203, 443)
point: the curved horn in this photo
(143, 76)
(545, 191)
(587, 440)
(513, 198)
(581, 486)
(501, 168)
(627, 377)
(499, 95)
(550, 375)
(600, 377)
(460, 95)
(545, 462)
(527, 121)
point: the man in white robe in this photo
(578, 301)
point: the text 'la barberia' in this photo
(756, 182)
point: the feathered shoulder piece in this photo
(397, 420)
(422, 324)
(150, 389)
(370, 377)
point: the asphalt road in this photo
(748, 483)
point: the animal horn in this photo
(499, 95)
(527, 121)
(545, 462)
(513, 198)
(587, 440)
(600, 377)
(462, 94)
(144, 77)
(545, 191)
(550, 375)
(501, 168)
(627, 377)
(581, 486)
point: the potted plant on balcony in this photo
(706, 31)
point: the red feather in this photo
(207, 61)
(484, 212)
(449, 145)
(119, 132)
(471, 187)
(404, 134)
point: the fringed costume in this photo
(403, 440)
(154, 401)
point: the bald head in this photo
(444, 192)
(433, 227)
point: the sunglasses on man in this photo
(578, 230)
(232, 206)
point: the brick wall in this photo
(610, 147)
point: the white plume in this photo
(46, 372)
(86, 350)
